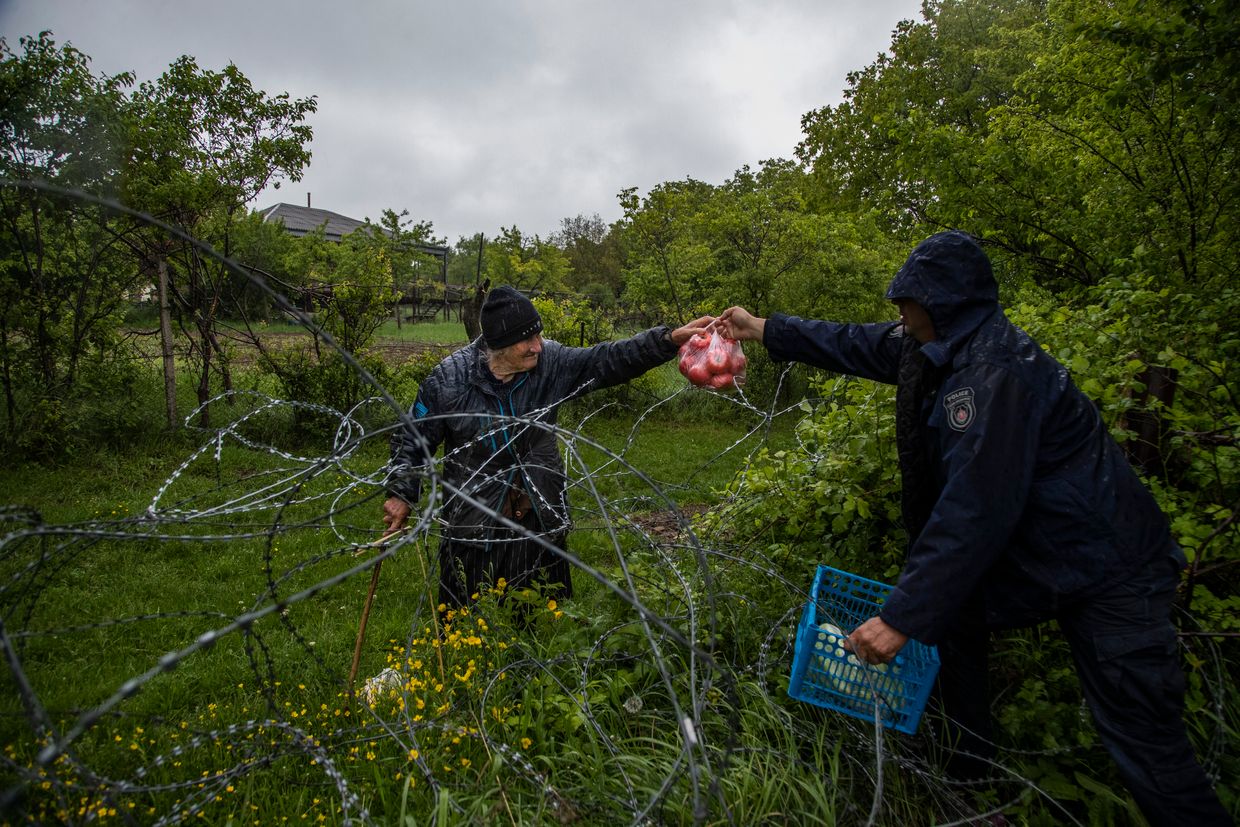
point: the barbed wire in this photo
(649, 671)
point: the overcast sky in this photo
(475, 115)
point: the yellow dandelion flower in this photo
(551, 604)
(525, 743)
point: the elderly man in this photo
(493, 406)
(1019, 507)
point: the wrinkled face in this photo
(518, 357)
(916, 320)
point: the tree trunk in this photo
(204, 380)
(10, 401)
(470, 308)
(1147, 450)
(225, 370)
(165, 340)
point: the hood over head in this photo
(950, 276)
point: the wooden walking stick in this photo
(370, 597)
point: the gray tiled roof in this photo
(301, 220)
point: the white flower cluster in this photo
(389, 680)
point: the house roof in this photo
(299, 221)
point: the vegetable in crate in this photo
(847, 673)
(713, 361)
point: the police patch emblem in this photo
(960, 410)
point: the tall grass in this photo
(233, 729)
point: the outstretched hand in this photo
(739, 323)
(682, 334)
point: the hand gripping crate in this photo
(827, 675)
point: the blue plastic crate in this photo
(827, 675)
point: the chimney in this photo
(307, 200)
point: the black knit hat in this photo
(507, 317)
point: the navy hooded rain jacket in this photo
(1034, 502)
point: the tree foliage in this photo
(1085, 140)
(594, 260)
(64, 274)
(203, 144)
(527, 263)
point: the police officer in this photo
(1020, 507)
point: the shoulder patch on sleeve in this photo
(960, 409)
(419, 410)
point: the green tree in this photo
(668, 266)
(1084, 140)
(65, 276)
(415, 273)
(593, 252)
(464, 266)
(907, 135)
(262, 249)
(204, 144)
(771, 253)
(350, 285)
(1117, 155)
(527, 263)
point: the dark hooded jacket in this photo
(1032, 501)
(500, 437)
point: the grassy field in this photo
(437, 332)
(133, 558)
(181, 619)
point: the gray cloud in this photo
(475, 115)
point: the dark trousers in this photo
(465, 568)
(1124, 648)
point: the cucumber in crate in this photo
(825, 674)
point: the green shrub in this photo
(573, 322)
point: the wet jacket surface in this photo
(499, 436)
(1034, 502)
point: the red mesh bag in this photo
(709, 360)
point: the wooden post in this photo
(165, 344)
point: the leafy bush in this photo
(572, 322)
(113, 404)
(834, 498)
(324, 379)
